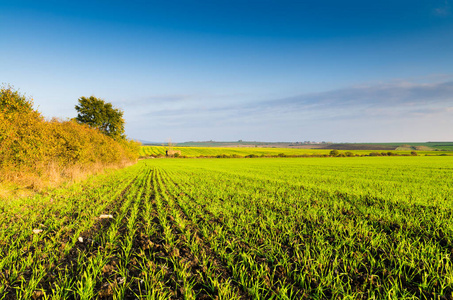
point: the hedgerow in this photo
(34, 150)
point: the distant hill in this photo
(150, 143)
(249, 144)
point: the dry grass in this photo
(27, 182)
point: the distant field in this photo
(426, 146)
(295, 228)
(258, 151)
(239, 151)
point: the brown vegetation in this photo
(171, 152)
(359, 147)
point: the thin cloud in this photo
(444, 10)
(382, 101)
(400, 97)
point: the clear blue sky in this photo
(343, 71)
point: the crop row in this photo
(291, 240)
(205, 229)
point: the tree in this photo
(99, 114)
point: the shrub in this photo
(22, 133)
(334, 153)
(13, 102)
(31, 146)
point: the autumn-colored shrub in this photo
(21, 130)
(32, 147)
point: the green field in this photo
(146, 151)
(294, 228)
(239, 151)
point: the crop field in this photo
(265, 228)
(257, 151)
(239, 151)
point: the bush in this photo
(31, 146)
(13, 102)
(22, 130)
(334, 153)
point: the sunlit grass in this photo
(293, 228)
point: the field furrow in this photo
(216, 276)
(53, 238)
(207, 229)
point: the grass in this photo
(16, 183)
(295, 228)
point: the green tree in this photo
(102, 115)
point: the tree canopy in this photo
(102, 115)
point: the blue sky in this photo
(343, 71)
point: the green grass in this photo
(245, 151)
(294, 228)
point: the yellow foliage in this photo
(31, 147)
